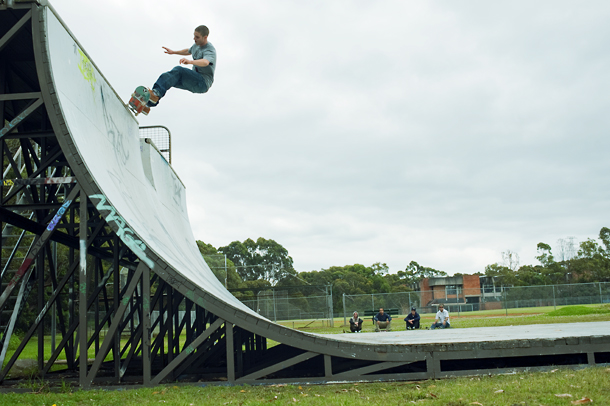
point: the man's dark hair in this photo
(203, 30)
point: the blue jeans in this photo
(181, 78)
(440, 325)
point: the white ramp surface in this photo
(140, 192)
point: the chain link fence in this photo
(468, 300)
(279, 305)
(304, 303)
(556, 295)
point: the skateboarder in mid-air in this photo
(199, 79)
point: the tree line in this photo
(265, 263)
(588, 261)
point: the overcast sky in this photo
(378, 131)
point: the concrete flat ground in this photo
(478, 334)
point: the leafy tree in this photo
(551, 272)
(604, 235)
(260, 259)
(502, 274)
(544, 254)
(593, 263)
(414, 273)
(216, 262)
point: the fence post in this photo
(344, 314)
(274, 314)
(373, 301)
(554, 304)
(505, 302)
(330, 305)
(601, 298)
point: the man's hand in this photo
(185, 61)
(172, 52)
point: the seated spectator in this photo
(442, 318)
(412, 319)
(355, 324)
(382, 321)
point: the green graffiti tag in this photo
(125, 233)
(86, 69)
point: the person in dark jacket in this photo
(412, 319)
(382, 321)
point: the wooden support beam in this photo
(15, 29)
(230, 352)
(278, 367)
(186, 352)
(360, 372)
(116, 322)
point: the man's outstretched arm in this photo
(197, 62)
(172, 52)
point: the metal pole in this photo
(505, 302)
(274, 313)
(82, 297)
(345, 314)
(554, 304)
(601, 298)
(54, 308)
(146, 324)
(226, 275)
(330, 305)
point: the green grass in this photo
(580, 311)
(538, 388)
(516, 389)
(487, 318)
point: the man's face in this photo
(413, 312)
(199, 40)
(381, 311)
(441, 308)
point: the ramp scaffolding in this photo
(101, 274)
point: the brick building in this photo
(461, 289)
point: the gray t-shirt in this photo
(205, 52)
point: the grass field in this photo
(539, 388)
(487, 318)
(556, 387)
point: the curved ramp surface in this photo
(137, 191)
(145, 199)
